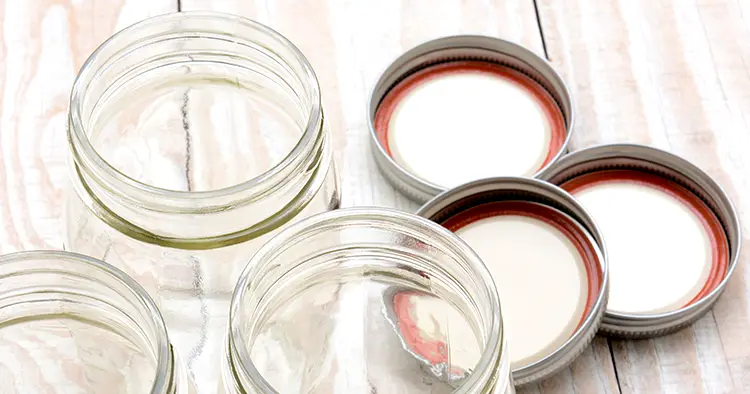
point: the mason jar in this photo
(365, 300)
(70, 323)
(193, 137)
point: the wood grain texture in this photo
(672, 74)
(43, 43)
(349, 44)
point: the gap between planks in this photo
(540, 25)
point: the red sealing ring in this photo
(717, 236)
(394, 96)
(586, 249)
(436, 351)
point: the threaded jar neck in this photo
(186, 55)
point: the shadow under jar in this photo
(366, 300)
(73, 324)
(193, 137)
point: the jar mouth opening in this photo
(72, 285)
(241, 363)
(87, 158)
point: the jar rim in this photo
(163, 374)
(494, 351)
(83, 150)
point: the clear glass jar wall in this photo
(365, 300)
(70, 323)
(193, 137)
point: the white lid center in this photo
(462, 126)
(541, 279)
(659, 251)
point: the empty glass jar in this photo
(193, 137)
(366, 300)
(72, 324)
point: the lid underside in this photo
(471, 90)
(667, 249)
(529, 204)
(682, 236)
(562, 260)
(458, 121)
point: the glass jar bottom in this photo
(197, 129)
(362, 325)
(65, 353)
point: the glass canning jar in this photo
(365, 300)
(193, 137)
(70, 323)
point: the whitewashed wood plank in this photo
(672, 74)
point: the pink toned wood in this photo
(349, 44)
(42, 46)
(673, 74)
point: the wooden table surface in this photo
(670, 73)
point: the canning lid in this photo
(462, 108)
(672, 233)
(547, 258)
